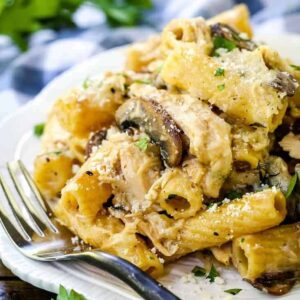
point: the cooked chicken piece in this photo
(291, 144)
(208, 135)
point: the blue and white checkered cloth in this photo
(50, 53)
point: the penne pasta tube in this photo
(270, 256)
(223, 253)
(176, 194)
(217, 225)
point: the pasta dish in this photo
(194, 145)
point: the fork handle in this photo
(138, 280)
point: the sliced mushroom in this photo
(285, 83)
(241, 166)
(277, 173)
(276, 283)
(228, 33)
(94, 141)
(157, 123)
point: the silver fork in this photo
(39, 237)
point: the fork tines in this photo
(30, 214)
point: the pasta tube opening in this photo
(178, 196)
(177, 203)
(242, 260)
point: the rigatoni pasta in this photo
(265, 255)
(193, 146)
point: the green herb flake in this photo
(234, 195)
(39, 129)
(142, 81)
(221, 87)
(242, 240)
(233, 291)
(213, 273)
(86, 83)
(291, 186)
(220, 42)
(159, 68)
(63, 295)
(297, 68)
(199, 271)
(143, 142)
(219, 72)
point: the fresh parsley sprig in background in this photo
(20, 18)
(63, 295)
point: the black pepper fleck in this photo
(89, 173)
(215, 233)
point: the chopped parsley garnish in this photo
(219, 72)
(297, 68)
(233, 291)
(63, 295)
(39, 129)
(86, 83)
(199, 271)
(220, 42)
(143, 142)
(158, 69)
(291, 185)
(234, 195)
(221, 87)
(242, 240)
(57, 152)
(213, 273)
(142, 81)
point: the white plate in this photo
(17, 141)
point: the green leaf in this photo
(234, 195)
(75, 296)
(19, 18)
(123, 13)
(143, 142)
(297, 68)
(220, 42)
(233, 291)
(39, 129)
(199, 271)
(291, 186)
(213, 273)
(63, 295)
(242, 240)
(144, 4)
(86, 83)
(219, 72)
(221, 87)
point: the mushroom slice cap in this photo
(94, 142)
(157, 123)
(227, 32)
(285, 83)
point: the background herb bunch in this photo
(20, 18)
